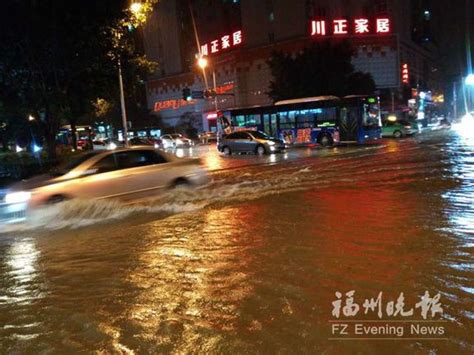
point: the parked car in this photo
(208, 137)
(175, 140)
(140, 141)
(399, 129)
(125, 173)
(250, 141)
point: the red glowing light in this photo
(340, 27)
(215, 46)
(405, 74)
(357, 26)
(318, 28)
(383, 25)
(361, 26)
(237, 37)
(223, 43)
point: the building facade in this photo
(392, 40)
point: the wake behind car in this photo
(250, 141)
(125, 173)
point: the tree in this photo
(322, 69)
(59, 56)
(189, 123)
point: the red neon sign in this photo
(383, 25)
(359, 26)
(340, 27)
(405, 74)
(318, 28)
(225, 42)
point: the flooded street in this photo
(252, 263)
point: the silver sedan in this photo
(127, 174)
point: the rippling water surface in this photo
(252, 262)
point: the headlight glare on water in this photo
(17, 197)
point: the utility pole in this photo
(198, 44)
(122, 105)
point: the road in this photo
(252, 263)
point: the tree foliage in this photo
(322, 69)
(59, 56)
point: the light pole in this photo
(136, 9)
(203, 63)
(122, 105)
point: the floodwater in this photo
(252, 263)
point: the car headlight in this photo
(17, 197)
(271, 143)
(112, 146)
(179, 141)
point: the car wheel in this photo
(226, 151)
(56, 199)
(398, 134)
(260, 150)
(325, 140)
(181, 182)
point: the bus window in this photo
(327, 116)
(286, 122)
(240, 121)
(305, 120)
(266, 124)
(252, 120)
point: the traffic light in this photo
(187, 94)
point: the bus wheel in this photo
(226, 151)
(260, 150)
(397, 134)
(325, 140)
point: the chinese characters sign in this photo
(405, 74)
(175, 104)
(345, 27)
(221, 44)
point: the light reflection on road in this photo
(256, 269)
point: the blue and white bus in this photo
(324, 120)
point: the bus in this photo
(323, 120)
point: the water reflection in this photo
(21, 261)
(192, 280)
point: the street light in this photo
(136, 8)
(469, 81)
(31, 118)
(202, 62)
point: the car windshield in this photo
(68, 166)
(259, 135)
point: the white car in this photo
(127, 174)
(175, 141)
